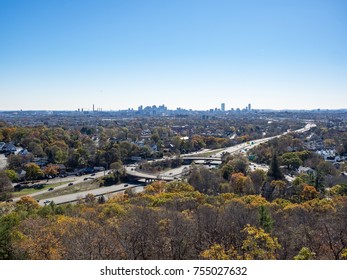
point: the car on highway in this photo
(70, 184)
(126, 185)
(47, 201)
(50, 189)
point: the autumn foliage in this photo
(174, 221)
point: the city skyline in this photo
(159, 108)
(63, 55)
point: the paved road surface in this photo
(3, 161)
(106, 191)
(173, 172)
(241, 147)
(74, 179)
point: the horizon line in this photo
(179, 108)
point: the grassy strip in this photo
(83, 186)
(29, 191)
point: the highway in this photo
(106, 191)
(68, 180)
(171, 174)
(110, 190)
(241, 147)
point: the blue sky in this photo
(196, 54)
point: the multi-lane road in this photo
(105, 191)
(252, 143)
(172, 173)
(65, 182)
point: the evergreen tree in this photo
(266, 222)
(319, 182)
(274, 171)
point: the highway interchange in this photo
(138, 186)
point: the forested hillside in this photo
(174, 221)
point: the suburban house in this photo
(99, 168)
(62, 168)
(9, 148)
(23, 152)
(306, 170)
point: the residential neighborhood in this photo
(194, 138)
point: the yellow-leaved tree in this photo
(217, 252)
(259, 245)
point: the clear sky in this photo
(69, 54)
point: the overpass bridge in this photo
(135, 175)
(190, 159)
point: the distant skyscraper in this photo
(249, 107)
(222, 107)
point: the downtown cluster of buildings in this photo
(163, 110)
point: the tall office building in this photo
(249, 107)
(223, 107)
